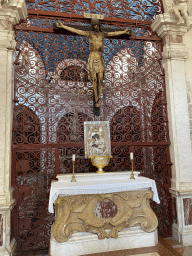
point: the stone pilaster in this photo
(11, 12)
(175, 55)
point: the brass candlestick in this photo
(73, 176)
(132, 175)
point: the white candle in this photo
(73, 157)
(131, 156)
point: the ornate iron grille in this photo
(133, 9)
(53, 98)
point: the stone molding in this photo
(174, 51)
(7, 40)
(167, 22)
(12, 11)
(172, 33)
(185, 186)
(182, 193)
(7, 247)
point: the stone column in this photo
(11, 12)
(175, 55)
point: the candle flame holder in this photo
(73, 176)
(132, 175)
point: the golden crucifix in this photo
(96, 68)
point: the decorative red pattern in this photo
(187, 205)
(174, 210)
(105, 210)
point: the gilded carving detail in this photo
(181, 9)
(77, 214)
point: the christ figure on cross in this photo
(96, 68)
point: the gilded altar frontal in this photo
(79, 213)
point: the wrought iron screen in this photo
(53, 97)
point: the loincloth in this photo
(95, 66)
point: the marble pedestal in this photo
(182, 217)
(86, 243)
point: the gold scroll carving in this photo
(77, 214)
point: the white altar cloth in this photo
(94, 183)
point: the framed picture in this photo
(97, 138)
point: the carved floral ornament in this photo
(78, 214)
(181, 9)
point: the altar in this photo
(102, 212)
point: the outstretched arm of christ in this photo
(118, 33)
(73, 30)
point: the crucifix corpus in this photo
(96, 68)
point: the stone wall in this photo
(188, 67)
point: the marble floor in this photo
(182, 250)
(162, 248)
